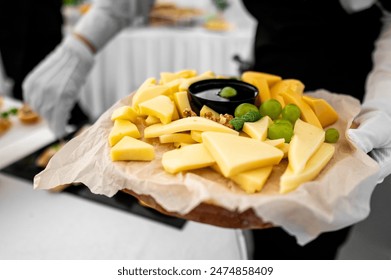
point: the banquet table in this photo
(138, 53)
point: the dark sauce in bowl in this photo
(206, 92)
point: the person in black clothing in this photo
(325, 44)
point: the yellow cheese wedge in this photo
(322, 109)
(306, 140)
(189, 157)
(161, 107)
(129, 148)
(205, 110)
(181, 102)
(187, 82)
(122, 128)
(262, 86)
(149, 93)
(186, 124)
(186, 73)
(173, 86)
(306, 112)
(235, 154)
(196, 135)
(278, 143)
(288, 86)
(253, 180)
(285, 149)
(290, 180)
(176, 137)
(124, 113)
(150, 120)
(258, 129)
(270, 78)
(166, 77)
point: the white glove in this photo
(52, 88)
(373, 135)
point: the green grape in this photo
(332, 135)
(291, 112)
(271, 108)
(228, 92)
(251, 116)
(284, 122)
(243, 108)
(237, 123)
(280, 130)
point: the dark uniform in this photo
(320, 44)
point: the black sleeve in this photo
(386, 4)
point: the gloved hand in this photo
(373, 134)
(52, 88)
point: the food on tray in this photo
(1, 101)
(27, 116)
(171, 14)
(5, 124)
(284, 126)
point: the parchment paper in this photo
(338, 197)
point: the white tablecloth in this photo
(139, 53)
(43, 225)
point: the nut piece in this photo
(188, 113)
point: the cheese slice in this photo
(258, 129)
(182, 102)
(129, 148)
(124, 113)
(235, 154)
(176, 137)
(270, 78)
(306, 140)
(122, 128)
(188, 157)
(290, 180)
(307, 114)
(322, 109)
(161, 107)
(186, 124)
(253, 180)
(148, 93)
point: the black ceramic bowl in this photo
(206, 92)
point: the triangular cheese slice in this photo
(235, 154)
(187, 158)
(258, 129)
(306, 140)
(289, 181)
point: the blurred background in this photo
(171, 36)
